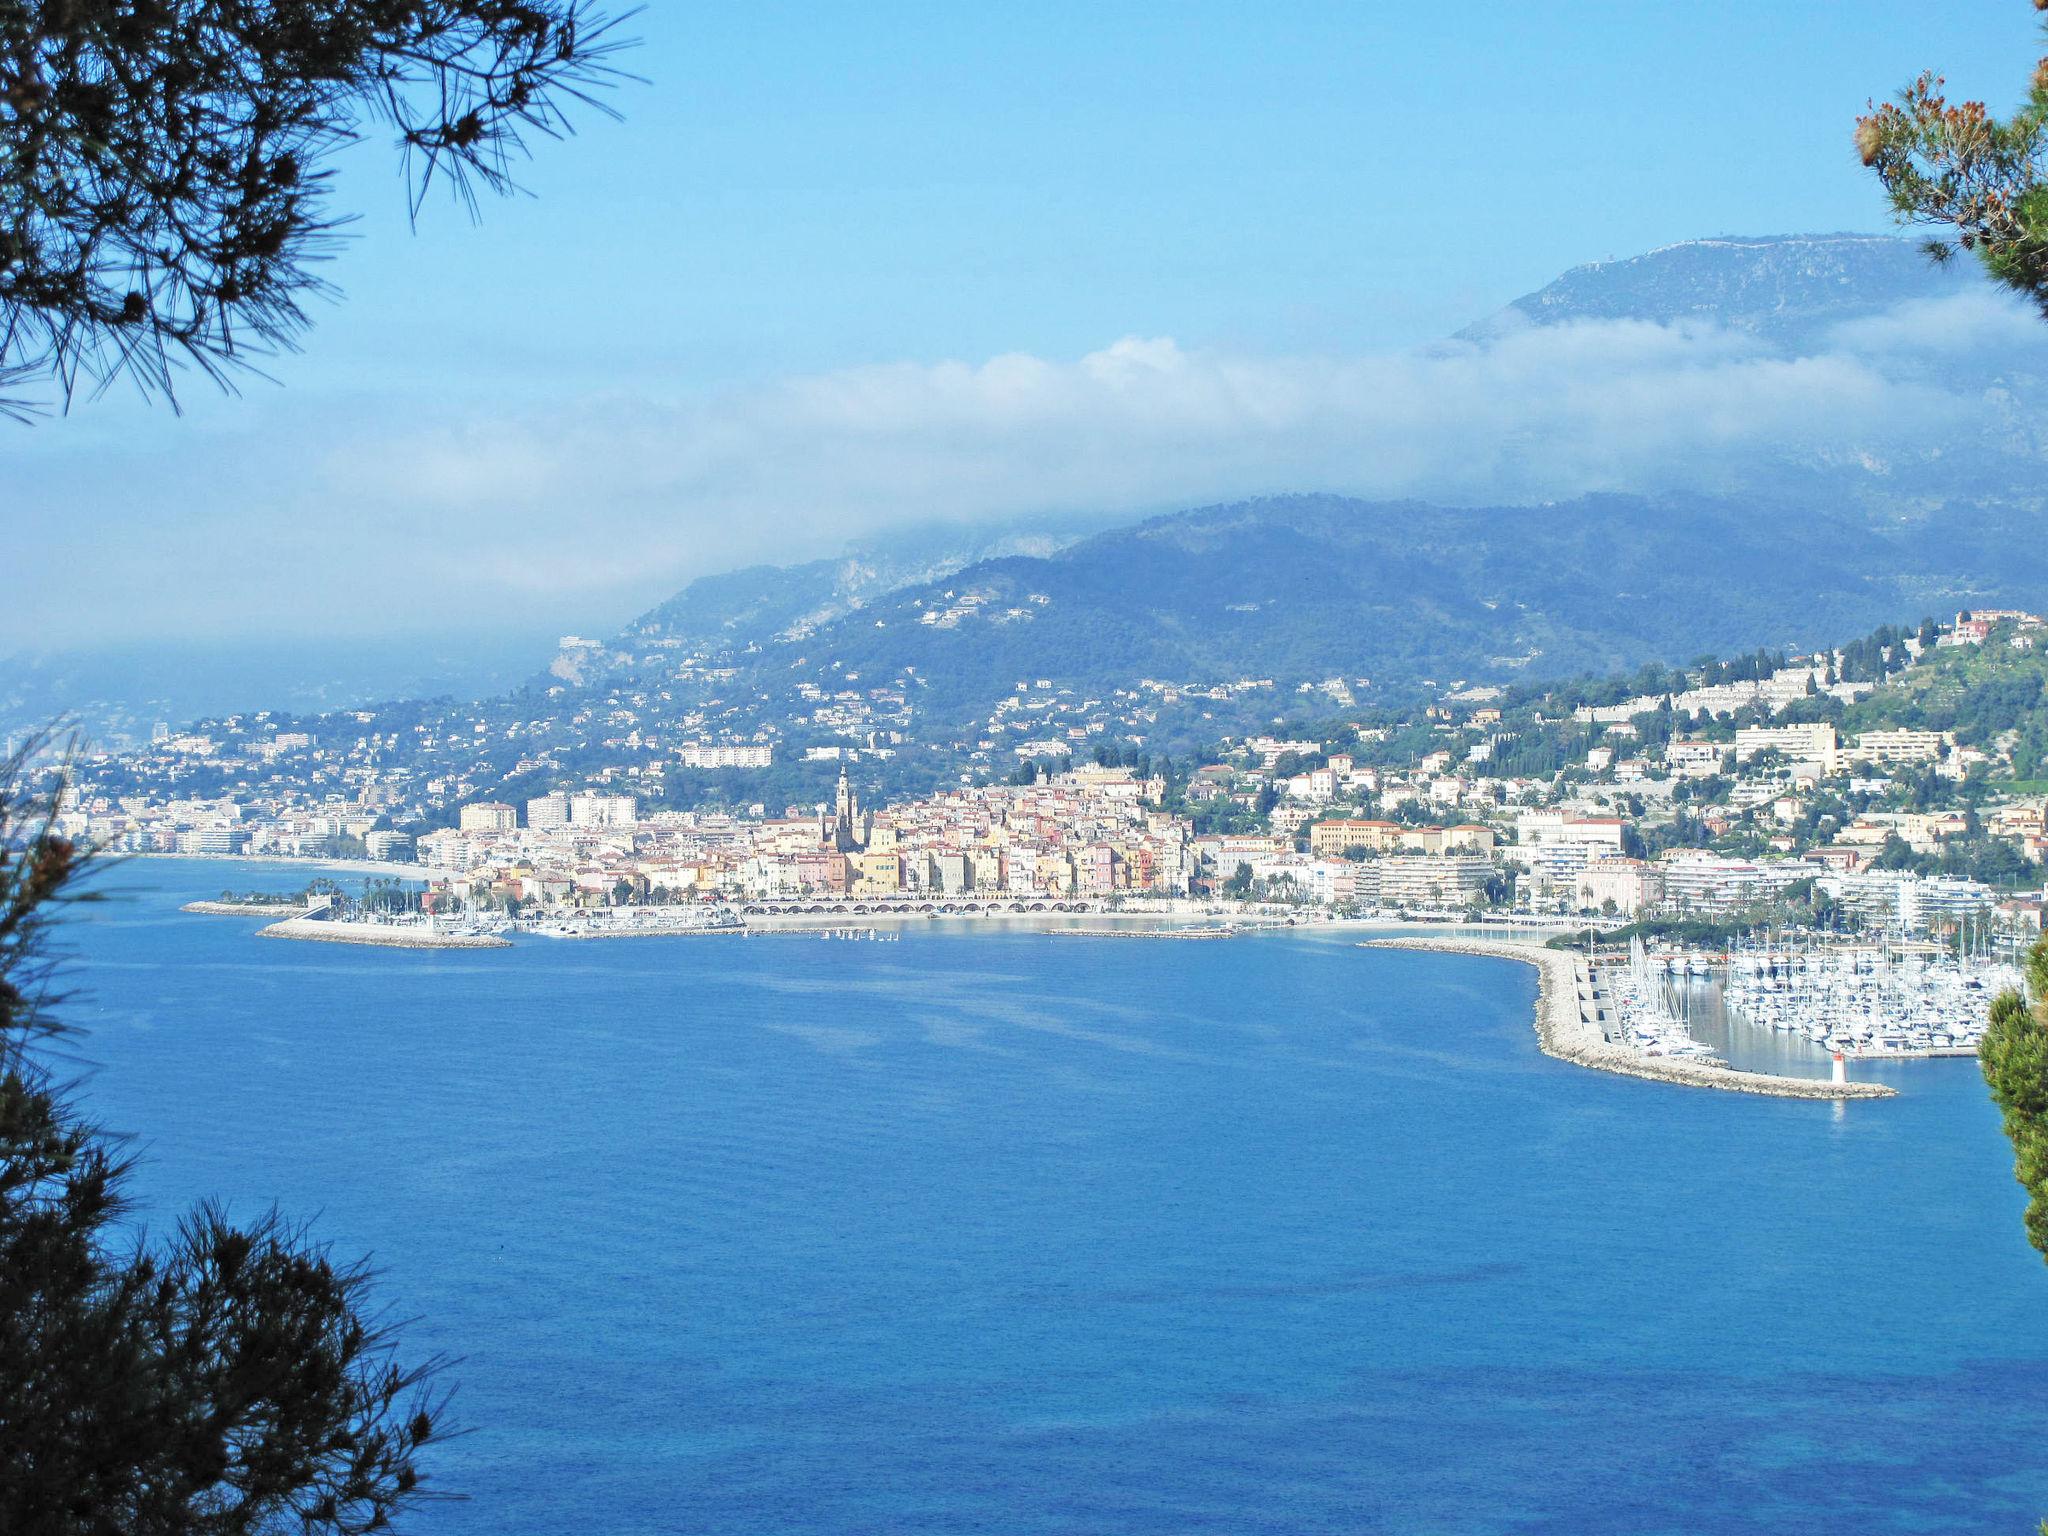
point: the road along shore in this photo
(1567, 1028)
(381, 935)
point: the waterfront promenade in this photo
(1568, 1027)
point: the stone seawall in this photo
(376, 934)
(243, 908)
(1565, 1030)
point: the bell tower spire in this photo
(848, 835)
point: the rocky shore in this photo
(1566, 1029)
(382, 935)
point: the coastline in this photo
(377, 935)
(1186, 914)
(1564, 1031)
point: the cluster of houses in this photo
(1091, 833)
(1446, 826)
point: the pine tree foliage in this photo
(2014, 1057)
(163, 201)
(1958, 167)
(223, 1381)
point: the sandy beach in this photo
(1565, 1029)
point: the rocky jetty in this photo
(383, 935)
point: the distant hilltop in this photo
(1786, 288)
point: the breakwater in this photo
(244, 908)
(1568, 1027)
(1140, 933)
(385, 936)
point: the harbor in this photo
(1902, 1000)
(1583, 1017)
(1648, 1017)
(1882, 999)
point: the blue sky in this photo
(807, 204)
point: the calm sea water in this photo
(998, 1232)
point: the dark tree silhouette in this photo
(223, 1381)
(2014, 1057)
(1959, 168)
(162, 197)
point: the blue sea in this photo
(991, 1231)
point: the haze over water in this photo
(992, 1231)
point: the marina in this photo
(1881, 999)
(1869, 1001)
(1580, 1019)
(1650, 1017)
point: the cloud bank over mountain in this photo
(600, 505)
(1542, 414)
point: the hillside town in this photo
(1767, 786)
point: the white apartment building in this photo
(1904, 746)
(217, 839)
(594, 810)
(547, 811)
(1814, 743)
(489, 816)
(1698, 881)
(449, 849)
(1554, 868)
(708, 755)
(1691, 759)
(1449, 880)
(1903, 901)
(1543, 829)
(388, 845)
(1632, 885)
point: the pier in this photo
(381, 935)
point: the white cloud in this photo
(605, 502)
(1143, 422)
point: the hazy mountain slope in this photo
(1795, 544)
(1304, 588)
(1307, 587)
(764, 601)
(116, 695)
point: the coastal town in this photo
(1732, 792)
(1218, 770)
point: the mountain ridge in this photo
(1788, 289)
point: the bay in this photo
(999, 1232)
